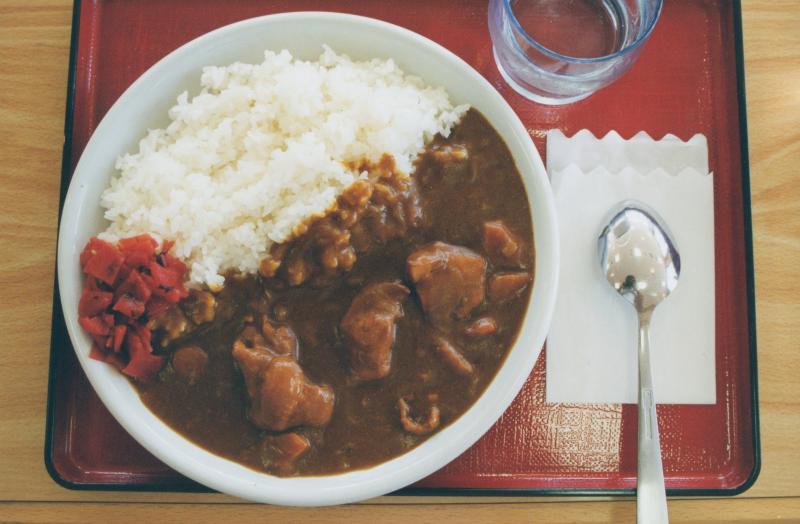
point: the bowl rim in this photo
(227, 476)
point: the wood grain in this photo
(34, 48)
(34, 52)
(681, 512)
(772, 58)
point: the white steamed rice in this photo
(263, 148)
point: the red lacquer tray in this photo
(688, 80)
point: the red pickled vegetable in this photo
(144, 333)
(129, 306)
(94, 302)
(97, 353)
(119, 337)
(138, 251)
(126, 286)
(103, 261)
(143, 363)
(144, 243)
(92, 284)
(167, 245)
(92, 246)
(173, 263)
(134, 286)
(100, 341)
(96, 325)
(164, 277)
(166, 282)
(115, 360)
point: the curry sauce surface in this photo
(456, 197)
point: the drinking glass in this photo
(561, 51)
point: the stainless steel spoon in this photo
(640, 260)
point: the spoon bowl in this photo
(638, 255)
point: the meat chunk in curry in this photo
(281, 395)
(189, 363)
(287, 398)
(415, 426)
(368, 328)
(450, 280)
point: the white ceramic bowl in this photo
(144, 105)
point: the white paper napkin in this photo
(591, 348)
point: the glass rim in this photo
(595, 59)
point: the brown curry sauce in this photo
(456, 195)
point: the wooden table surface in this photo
(34, 48)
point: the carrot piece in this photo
(291, 445)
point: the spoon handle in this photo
(651, 497)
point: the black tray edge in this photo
(58, 329)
